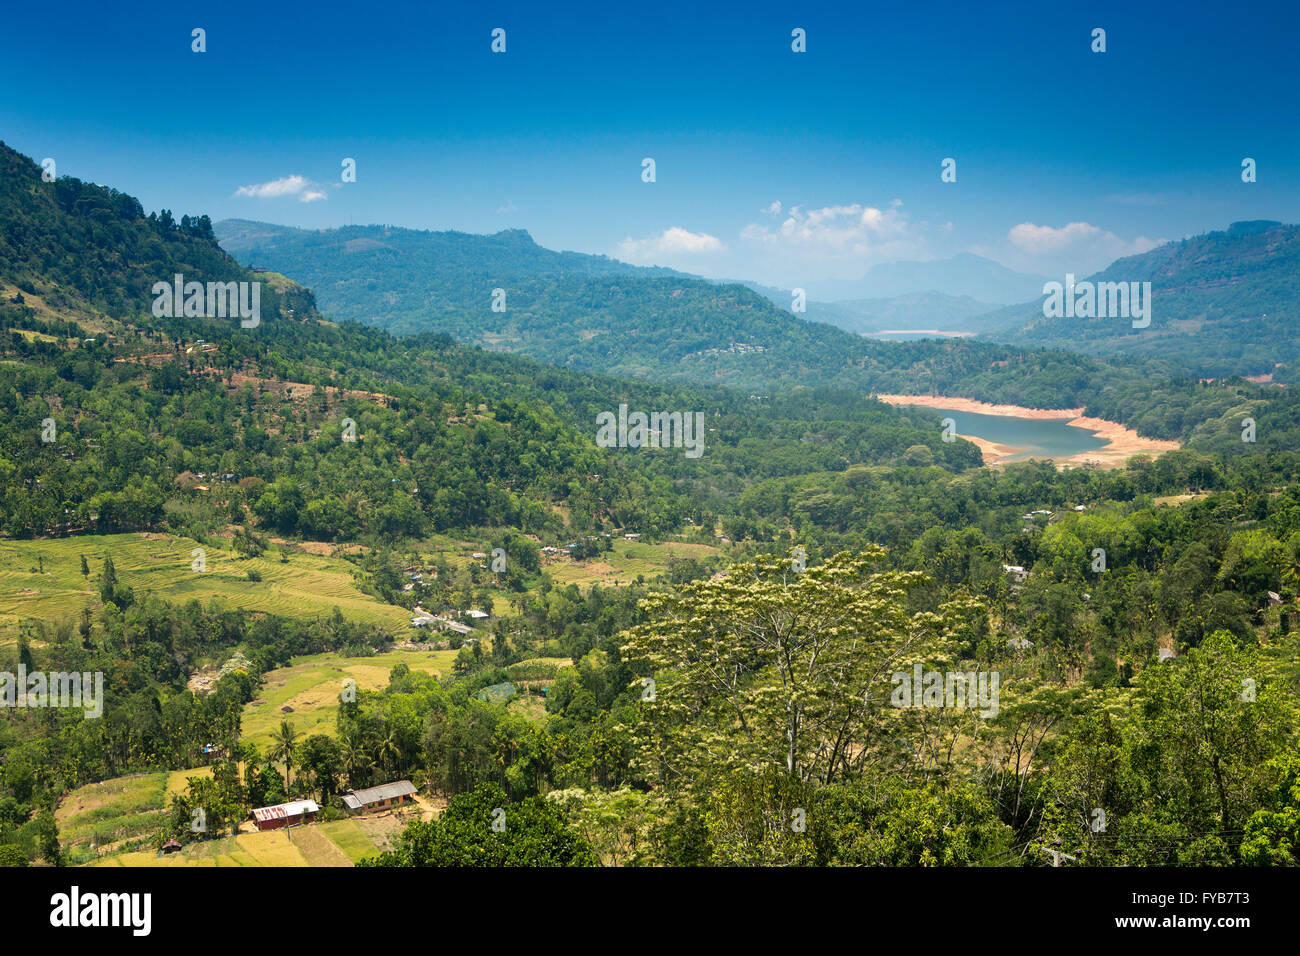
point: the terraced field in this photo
(311, 686)
(337, 843)
(41, 580)
(626, 561)
(116, 810)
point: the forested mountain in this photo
(592, 313)
(449, 436)
(841, 536)
(1224, 303)
(90, 251)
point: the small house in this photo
(383, 797)
(285, 814)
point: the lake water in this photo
(915, 335)
(1041, 438)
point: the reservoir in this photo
(1023, 438)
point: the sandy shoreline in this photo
(1121, 442)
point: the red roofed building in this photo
(285, 814)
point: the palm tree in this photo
(356, 762)
(283, 744)
(390, 748)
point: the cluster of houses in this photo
(423, 618)
(370, 800)
(192, 479)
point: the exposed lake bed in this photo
(1008, 433)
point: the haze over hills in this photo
(962, 275)
(595, 314)
(1223, 303)
(908, 311)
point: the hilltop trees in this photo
(770, 666)
(483, 828)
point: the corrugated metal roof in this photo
(281, 810)
(387, 791)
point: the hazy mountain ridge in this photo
(1223, 303)
(909, 311)
(604, 316)
(962, 275)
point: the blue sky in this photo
(1065, 158)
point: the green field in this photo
(308, 586)
(311, 686)
(115, 810)
(626, 561)
(178, 781)
(337, 843)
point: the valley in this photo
(393, 537)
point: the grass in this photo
(308, 586)
(347, 836)
(339, 843)
(317, 848)
(628, 560)
(311, 686)
(1175, 500)
(118, 809)
(177, 781)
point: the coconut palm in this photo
(357, 762)
(390, 747)
(283, 744)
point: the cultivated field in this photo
(115, 811)
(337, 843)
(311, 686)
(42, 580)
(626, 561)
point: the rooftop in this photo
(357, 799)
(282, 810)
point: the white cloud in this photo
(774, 209)
(806, 244)
(1082, 237)
(847, 230)
(298, 186)
(507, 207)
(1041, 240)
(670, 243)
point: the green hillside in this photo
(1224, 303)
(592, 313)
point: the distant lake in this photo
(1040, 438)
(912, 335)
